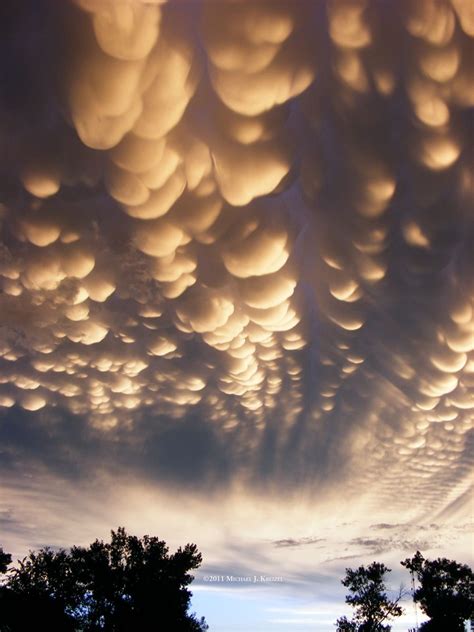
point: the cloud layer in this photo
(237, 244)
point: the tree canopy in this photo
(445, 593)
(369, 599)
(5, 560)
(129, 583)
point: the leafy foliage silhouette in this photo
(5, 560)
(369, 599)
(129, 583)
(445, 594)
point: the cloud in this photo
(377, 546)
(297, 542)
(236, 250)
(384, 525)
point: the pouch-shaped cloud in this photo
(125, 31)
(158, 238)
(245, 172)
(205, 311)
(267, 290)
(256, 250)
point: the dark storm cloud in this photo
(58, 442)
(187, 452)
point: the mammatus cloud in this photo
(247, 226)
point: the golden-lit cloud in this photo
(259, 214)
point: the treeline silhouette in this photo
(134, 584)
(444, 590)
(123, 585)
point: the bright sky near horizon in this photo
(237, 288)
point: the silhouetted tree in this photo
(5, 560)
(22, 612)
(445, 594)
(128, 584)
(369, 599)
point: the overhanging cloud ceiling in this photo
(259, 214)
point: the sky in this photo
(237, 289)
